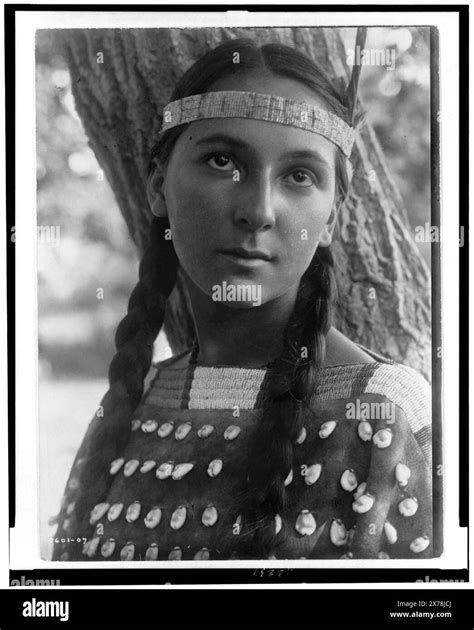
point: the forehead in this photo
(266, 139)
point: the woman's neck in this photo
(250, 337)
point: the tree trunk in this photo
(384, 300)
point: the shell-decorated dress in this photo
(360, 485)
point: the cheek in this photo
(192, 215)
(302, 231)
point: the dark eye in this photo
(302, 178)
(221, 162)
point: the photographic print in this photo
(235, 287)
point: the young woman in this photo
(274, 436)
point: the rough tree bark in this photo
(118, 101)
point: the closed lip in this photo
(247, 253)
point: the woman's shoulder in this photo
(395, 382)
(367, 389)
(365, 371)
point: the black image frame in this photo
(250, 575)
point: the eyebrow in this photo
(240, 144)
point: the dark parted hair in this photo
(294, 375)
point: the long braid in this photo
(108, 435)
(293, 382)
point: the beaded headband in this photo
(277, 109)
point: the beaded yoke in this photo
(360, 484)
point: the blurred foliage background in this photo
(84, 281)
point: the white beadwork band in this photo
(234, 104)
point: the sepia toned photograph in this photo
(235, 334)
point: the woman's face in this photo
(251, 185)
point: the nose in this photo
(255, 205)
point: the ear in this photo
(326, 235)
(154, 191)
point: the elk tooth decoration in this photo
(115, 511)
(53, 520)
(152, 552)
(90, 547)
(182, 431)
(302, 436)
(347, 556)
(311, 474)
(383, 438)
(326, 429)
(338, 533)
(231, 432)
(175, 554)
(149, 426)
(178, 517)
(305, 523)
(205, 431)
(73, 483)
(130, 467)
(365, 431)
(127, 552)
(147, 466)
(419, 544)
(66, 524)
(349, 480)
(153, 518)
(360, 490)
(116, 465)
(98, 512)
(408, 506)
(108, 548)
(202, 554)
(383, 555)
(165, 429)
(215, 467)
(278, 524)
(289, 478)
(133, 512)
(209, 516)
(402, 474)
(181, 470)
(390, 533)
(165, 470)
(70, 508)
(136, 424)
(363, 504)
